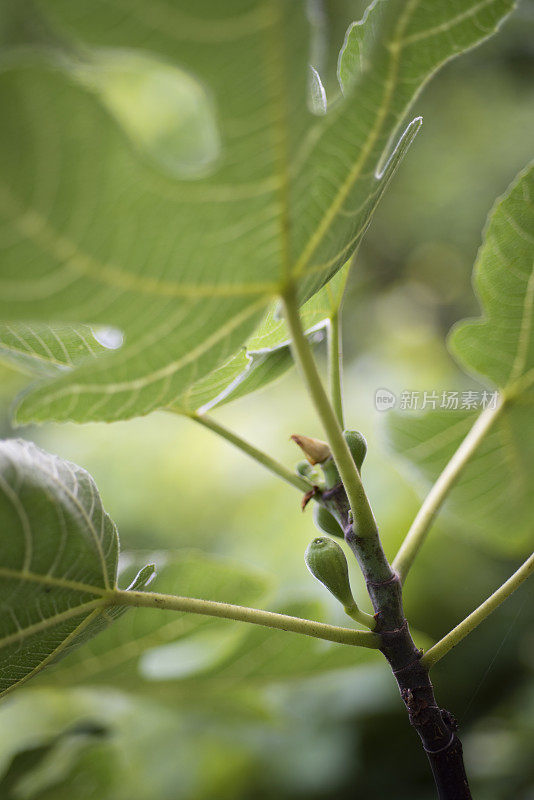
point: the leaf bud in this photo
(304, 468)
(315, 450)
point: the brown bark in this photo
(436, 727)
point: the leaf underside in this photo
(58, 556)
(45, 348)
(100, 224)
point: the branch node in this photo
(329, 494)
(388, 581)
(394, 633)
(410, 664)
(441, 749)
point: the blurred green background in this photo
(169, 484)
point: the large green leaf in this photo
(491, 501)
(499, 347)
(58, 556)
(263, 369)
(41, 349)
(58, 559)
(179, 222)
(493, 497)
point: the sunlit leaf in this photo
(166, 112)
(98, 228)
(499, 347)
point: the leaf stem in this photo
(335, 356)
(262, 458)
(268, 619)
(439, 491)
(361, 510)
(465, 627)
(360, 616)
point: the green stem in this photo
(258, 455)
(361, 511)
(191, 605)
(435, 498)
(334, 365)
(465, 627)
(360, 616)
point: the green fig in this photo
(357, 446)
(326, 561)
(326, 522)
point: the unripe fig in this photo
(326, 561)
(326, 522)
(357, 446)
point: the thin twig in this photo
(262, 458)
